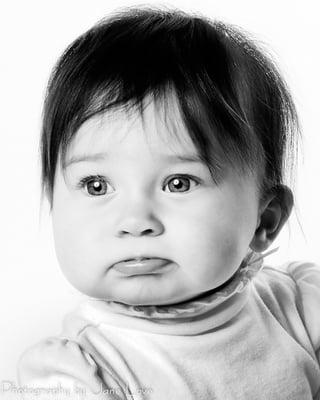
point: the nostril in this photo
(137, 233)
(147, 232)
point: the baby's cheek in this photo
(224, 253)
(75, 250)
(217, 248)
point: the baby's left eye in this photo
(179, 183)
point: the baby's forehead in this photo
(159, 125)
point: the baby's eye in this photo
(181, 183)
(94, 185)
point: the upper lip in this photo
(139, 257)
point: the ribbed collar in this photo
(191, 317)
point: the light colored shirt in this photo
(257, 338)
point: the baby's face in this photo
(133, 197)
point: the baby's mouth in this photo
(143, 266)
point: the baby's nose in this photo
(139, 220)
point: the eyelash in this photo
(83, 182)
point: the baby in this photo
(164, 145)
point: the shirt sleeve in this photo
(60, 368)
(307, 278)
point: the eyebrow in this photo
(195, 158)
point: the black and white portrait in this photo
(160, 212)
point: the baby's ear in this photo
(273, 213)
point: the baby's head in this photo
(165, 136)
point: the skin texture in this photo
(204, 228)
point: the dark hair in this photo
(232, 99)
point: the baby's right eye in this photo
(95, 185)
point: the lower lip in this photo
(150, 266)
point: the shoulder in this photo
(57, 357)
(290, 287)
(307, 279)
(60, 362)
(305, 274)
(55, 350)
(63, 349)
(294, 276)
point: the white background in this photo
(34, 294)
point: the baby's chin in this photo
(145, 299)
(154, 299)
